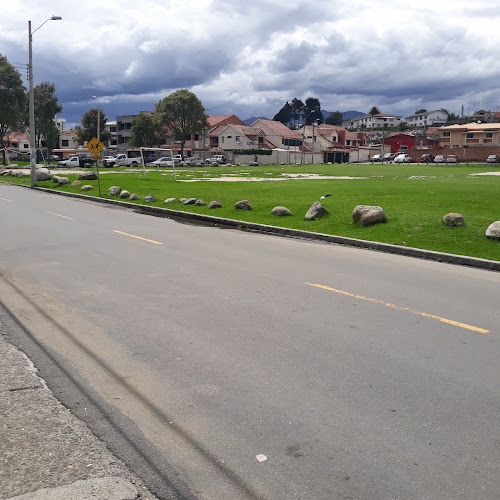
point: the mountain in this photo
(249, 121)
(346, 115)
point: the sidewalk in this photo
(45, 451)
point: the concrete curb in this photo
(448, 258)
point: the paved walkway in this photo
(46, 453)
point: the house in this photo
(231, 137)
(17, 143)
(111, 127)
(278, 135)
(434, 118)
(469, 135)
(123, 127)
(380, 120)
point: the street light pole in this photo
(32, 100)
(204, 140)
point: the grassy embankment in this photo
(414, 197)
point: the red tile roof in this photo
(278, 128)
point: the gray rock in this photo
(280, 211)
(76, 183)
(133, 196)
(493, 230)
(63, 180)
(200, 203)
(453, 220)
(115, 190)
(43, 174)
(215, 164)
(316, 211)
(168, 201)
(87, 187)
(215, 204)
(4, 173)
(253, 164)
(182, 200)
(124, 194)
(55, 178)
(368, 215)
(149, 198)
(189, 201)
(19, 174)
(88, 176)
(243, 205)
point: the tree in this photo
(297, 109)
(374, 111)
(46, 108)
(284, 115)
(143, 132)
(312, 111)
(422, 110)
(182, 114)
(89, 127)
(334, 118)
(12, 101)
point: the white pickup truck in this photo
(75, 161)
(122, 160)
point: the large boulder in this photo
(87, 187)
(88, 176)
(281, 211)
(243, 205)
(124, 194)
(493, 231)
(133, 196)
(215, 204)
(55, 179)
(76, 183)
(453, 220)
(189, 201)
(316, 211)
(115, 190)
(200, 203)
(168, 201)
(43, 174)
(368, 215)
(63, 181)
(149, 198)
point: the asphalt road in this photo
(193, 350)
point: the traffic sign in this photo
(96, 157)
(94, 146)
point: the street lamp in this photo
(302, 155)
(32, 101)
(312, 149)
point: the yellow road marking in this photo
(5, 199)
(59, 215)
(138, 237)
(394, 306)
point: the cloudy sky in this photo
(248, 58)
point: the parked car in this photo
(220, 159)
(493, 159)
(440, 159)
(193, 161)
(427, 158)
(163, 161)
(179, 158)
(376, 158)
(54, 158)
(402, 158)
(76, 161)
(389, 156)
(108, 161)
(452, 159)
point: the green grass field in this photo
(414, 197)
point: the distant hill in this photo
(249, 121)
(346, 115)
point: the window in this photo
(261, 140)
(455, 146)
(222, 139)
(489, 135)
(112, 129)
(446, 134)
(229, 137)
(65, 142)
(470, 135)
(237, 138)
(196, 137)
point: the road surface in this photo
(223, 365)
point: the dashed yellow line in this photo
(138, 237)
(59, 215)
(394, 306)
(5, 199)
